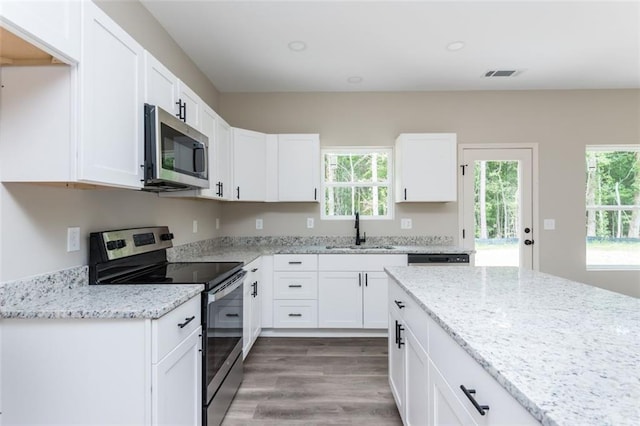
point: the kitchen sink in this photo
(361, 247)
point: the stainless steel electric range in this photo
(138, 256)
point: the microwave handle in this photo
(198, 159)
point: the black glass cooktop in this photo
(208, 273)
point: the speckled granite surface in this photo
(569, 352)
(103, 301)
(66, 294)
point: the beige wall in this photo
(143, 27)
(560, 122)
(34, 221)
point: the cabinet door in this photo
(444, 407)
(209, 125)
(192, 106)
(160, 85)
(176, 384)
(298, 167)
(221, 162)
(375, 300)
(426, 167)
(417, 381)
(249, 165)
(396, 362)
(340, 299)
(246, 314)
(53, 26)
(111, 108)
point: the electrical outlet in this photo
(406, 223)
(258, 223)
(73, 239)
(217, 223)
(195, 226)
(309, 222)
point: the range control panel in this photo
(122, 243)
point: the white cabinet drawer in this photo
(410, 311)
(295, 262)
(295, 285)
(459, 368)
(295, 314)
(167, 331)
(360, 262)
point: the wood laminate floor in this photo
(315, 381)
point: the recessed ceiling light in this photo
(297, 46)
(354, 79)
(456, 45)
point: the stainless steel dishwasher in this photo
(437, 259)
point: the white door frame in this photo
(534, 190)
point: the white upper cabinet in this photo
(110, 148)
(426, 169)
(220, 178)
(160, 85)
(190, 106)
(53, 26)
(299, 167)
(88, 118)
(249, 165)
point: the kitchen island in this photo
(569, 353)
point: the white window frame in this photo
(599, 267)
(358, 150)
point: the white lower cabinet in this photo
(252, 306)
(295, 291)
(103, 371)
(427, 370)
(352, 289)
(176, 401)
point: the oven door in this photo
(223, 332)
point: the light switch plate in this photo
(406, 223)
(549, 224)
(73, 239)
(309, 222)
(195, 226)
(258, 223)
(217, 223)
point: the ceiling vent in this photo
(502, 73)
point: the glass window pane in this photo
(355, 168)
(346, 201)
(612, 197)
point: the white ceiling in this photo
(242, 46)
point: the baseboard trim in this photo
(321, 332)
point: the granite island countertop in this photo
(569, 352)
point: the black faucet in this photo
(358, 239)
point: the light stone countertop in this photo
(106, 301)
(66, 293)
(569, 352)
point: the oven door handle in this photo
(238, 279)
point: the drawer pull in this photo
(254, 269)
(295, 285)
(232, 315)
(469, 394)
(399, 304)
(296, 262)
(186, 321)
(295, 315)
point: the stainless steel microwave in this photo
(175, 154)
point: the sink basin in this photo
(362, 247)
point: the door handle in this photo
(528, 242)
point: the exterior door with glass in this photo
(497, 206)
